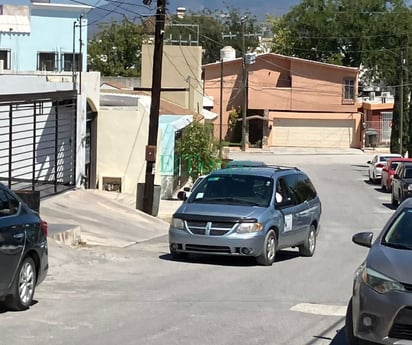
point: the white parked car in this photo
(185, 193)
(377, 163)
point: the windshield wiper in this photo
(396, 245)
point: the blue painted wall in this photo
(52, 29)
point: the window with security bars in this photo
(71, 60)
(5, 57)
(46, 61)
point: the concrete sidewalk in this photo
(100, 218)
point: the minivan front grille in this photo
(209, 228)
(207, 249)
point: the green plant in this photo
(199, 150)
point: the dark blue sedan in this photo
(23, 251)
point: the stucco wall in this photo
(281, 84)
(123, 135)
(181, 69)
(51, 30)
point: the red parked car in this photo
(389, 170)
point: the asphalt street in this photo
(120, 285)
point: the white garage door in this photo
(313, 133)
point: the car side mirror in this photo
(363, 239)
(181, 195)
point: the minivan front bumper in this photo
(248, 244)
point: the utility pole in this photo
(401, 109)
(81, 55)
(151, 147)
(221, 108)
(244, 81)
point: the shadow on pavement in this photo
(389, 205)
(281, 255)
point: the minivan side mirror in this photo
(186, 189)
(363, 239)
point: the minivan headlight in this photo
(244, 228)
(178, 223)
(379, 282)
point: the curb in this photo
(67, 234)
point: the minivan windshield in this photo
(399, 235)
(248, 190)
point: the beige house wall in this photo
(292, 87)
(181, 69)
(123, 135)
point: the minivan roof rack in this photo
(275, 166)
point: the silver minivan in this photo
(250, 211)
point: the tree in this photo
(199, 150)
(216, 30)
(116, 49)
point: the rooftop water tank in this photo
(227, 53)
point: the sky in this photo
(258, 7)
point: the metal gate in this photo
(38, 141)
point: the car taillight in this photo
(379, 165)
(44, 227)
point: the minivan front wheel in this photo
(269, 250)
(309, 246)
(23, 286)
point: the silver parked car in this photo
(380, 310)
(248, 212)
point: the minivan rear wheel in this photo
(309, 246)
(269, 250)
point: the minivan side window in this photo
(301, 187)
(305, 188)
(283, 187)
(8, 204)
